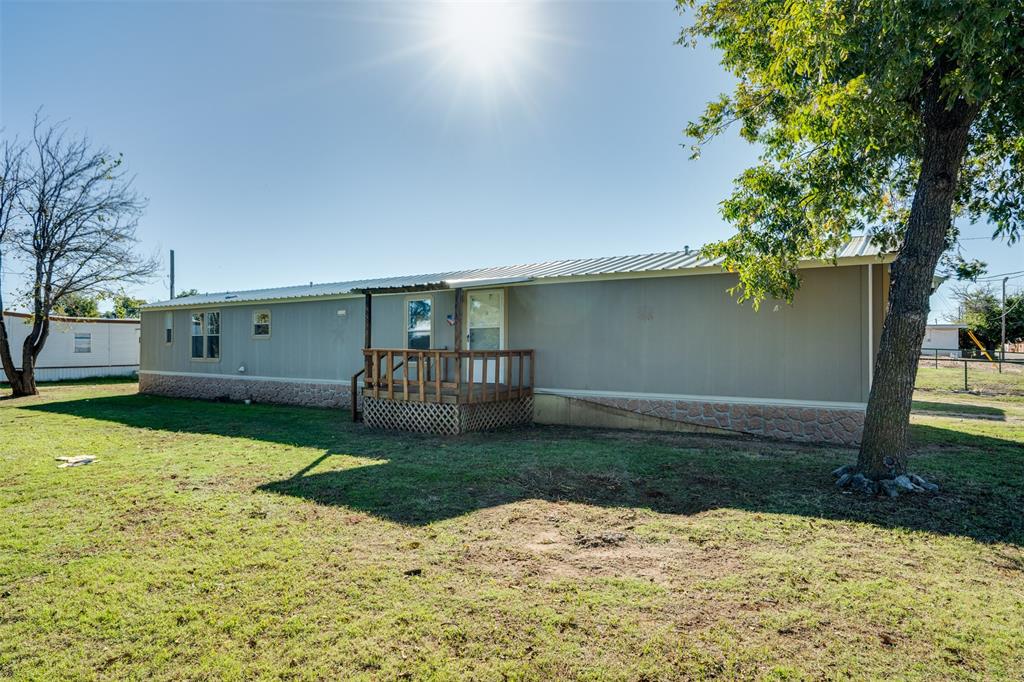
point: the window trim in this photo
(270, 324)
(405, 317)
(205, 335)
(168, 327)
(74, 343)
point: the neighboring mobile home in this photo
(942, 340)
(79, 347)
(652, 341)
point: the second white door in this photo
(485, 324)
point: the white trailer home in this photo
(79, 347)
(942, 340)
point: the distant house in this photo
(79, 347)
(652, 341)
(943, 339)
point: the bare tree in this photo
(73, 224)
(12, 184)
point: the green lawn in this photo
(229, 541)
(982, 377)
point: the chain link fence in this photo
(955, 369)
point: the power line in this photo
(1016, 274)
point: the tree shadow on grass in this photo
(420, 479)
(966, 411)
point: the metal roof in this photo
(65, 318)
(582, 267)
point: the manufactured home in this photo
(942, 339)
(79, 347)
(650, 342)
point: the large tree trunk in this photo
(30, 350)
(883, 451)
(14, 376)
(23, 381)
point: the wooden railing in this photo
(447, 376)
(354, 398)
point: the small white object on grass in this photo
(77, 461)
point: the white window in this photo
(261, 323)
(168, 326)
(206, 336)
(418, 322)
(83, 343)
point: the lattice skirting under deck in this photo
(445, 418)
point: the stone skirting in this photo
(789, 422)
(445, 418)
(211, 387)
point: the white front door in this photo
(485, 318)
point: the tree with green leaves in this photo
(889, 117)
(187, 293)
(78, 305)
(126, 307)
(982, 312)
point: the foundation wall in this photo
(207, 387)
(837, 425)
(811, 424)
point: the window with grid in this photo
(206, 335)
(261, 323)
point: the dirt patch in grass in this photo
(552, 541)
(218, 540)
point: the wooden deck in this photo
(450, 394)
(444, 376)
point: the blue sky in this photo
(285, 142)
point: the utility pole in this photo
(172, 273)
(1002, 335)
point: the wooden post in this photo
(420, 375)
(469, 392)
(391, 375)
(458, 343)
(483, 377)
(497, 375)
(405, 375)
(519, 385)
(437, 375)
(376, 374)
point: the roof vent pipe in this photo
(686, 250)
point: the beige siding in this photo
(669, 335)
(308, 340)
(686, 335)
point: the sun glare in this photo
(474, 57)
(484, 38)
